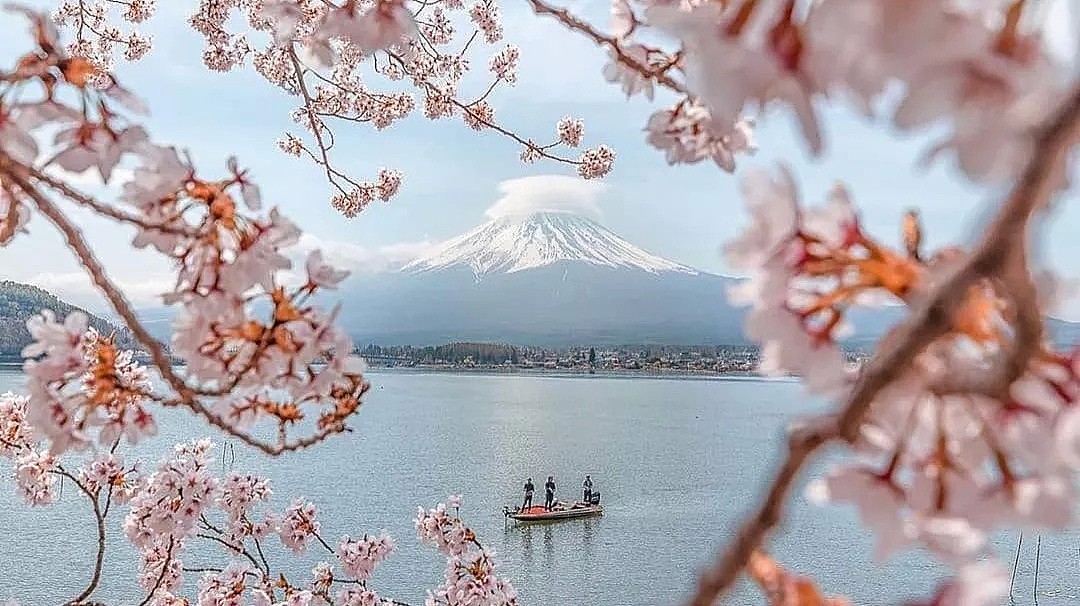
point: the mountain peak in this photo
(514, 243)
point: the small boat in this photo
(559, 511)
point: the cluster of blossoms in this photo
(253, 349)
(971, 66)
(980, 431)
(947, 453)
(687, 132)
(97, 38)
(228, 265)
(183, 502)
(471, 576)
(359, 557)
(79, 381)
(326, 53)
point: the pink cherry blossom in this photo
(358, 596)
(444, 531)
(629, 79)
(504, 64)
(248, 190)
(98, 146)
(981, 584)
(34, 477)
(15, 137)
(570, 131)
(387, 23)
(16, 434)
(597, 162)
(298, 525)
(733, 60)
(321, 274)
(106, 471)
(487, 17)
(173, 498)
(224, 588)
(688, 135)
(773, 205)
(359, 557)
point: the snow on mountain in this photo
(515, 243)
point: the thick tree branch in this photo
(999, 251)
(187, 396)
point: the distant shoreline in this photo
(537, 372)
(573, 374)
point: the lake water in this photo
(678, 462)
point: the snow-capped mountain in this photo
(550, 278)
(518, 243)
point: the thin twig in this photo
(231, 547)
(1000, 247)
(574, 23)
(99, 519)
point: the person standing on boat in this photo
(527, 503)
(549, 489)
(587, 489)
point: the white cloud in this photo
(76, 288)
(356, 258)
(551, 193)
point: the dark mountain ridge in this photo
(19, 302)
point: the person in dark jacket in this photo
(587, 489)
(549, 490)
(528, 494)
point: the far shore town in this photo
(660, 359)
(698, 360)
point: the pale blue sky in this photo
(452, 174)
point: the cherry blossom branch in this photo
(187, 396)
(540, 7)
(79, 246)
(316, 128)
(1000, 249)
(99, 519)
(97, 206)
(161, 576)
(467, 108)
(229, 546)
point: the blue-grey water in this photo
(677, 461)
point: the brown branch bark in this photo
(99, 207)
(99, 519)
(999, 252)
(75, 241)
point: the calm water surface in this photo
(677, 461)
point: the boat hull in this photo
(558, 514)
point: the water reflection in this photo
(526, 541)
(549, 546)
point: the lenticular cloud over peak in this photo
(548, 194)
